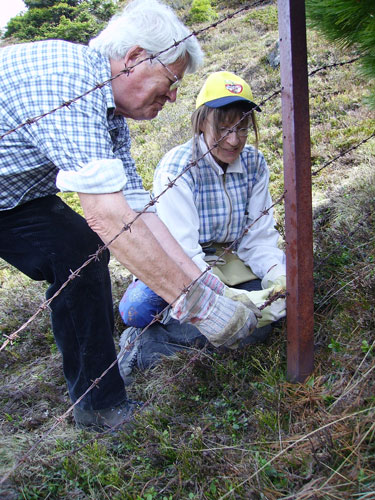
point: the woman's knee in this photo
(139, 305)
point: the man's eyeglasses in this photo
(176, 83)
(241, 132)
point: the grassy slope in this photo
(226, 422)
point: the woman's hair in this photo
(231, 113)
(153, 26)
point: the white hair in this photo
(153, 26)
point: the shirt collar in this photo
(104, 75)
(235, 167)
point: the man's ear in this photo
(134, 55)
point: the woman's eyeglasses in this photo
(241, 132)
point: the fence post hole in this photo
(297, 179)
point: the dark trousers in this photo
(166, 339)
(46, 240)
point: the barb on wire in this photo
(312, 73)
(334, 65)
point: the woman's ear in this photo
(203, 126)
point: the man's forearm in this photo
(170, 245)
(139, 248)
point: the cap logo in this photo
(234, 88)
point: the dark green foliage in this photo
(71, 20)
(350, 24)
(43, 4)
(343, 21)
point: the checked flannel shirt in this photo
(208, 205)
(82, 147)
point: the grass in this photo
(225, 425)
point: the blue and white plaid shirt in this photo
(206, 205)
(85, 145)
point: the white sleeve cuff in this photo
(96, 177)
(198, 261)
(272, 274)
(138, 199)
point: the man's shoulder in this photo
(50, 56)
(44, 47)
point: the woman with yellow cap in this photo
(223, 189)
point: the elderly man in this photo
(85, 147)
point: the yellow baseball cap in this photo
(222, 88)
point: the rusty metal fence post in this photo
(297, 179)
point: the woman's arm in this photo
(258, 247)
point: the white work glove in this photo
(241, 296)
(275, 274)
(218, 287)
(221, 320)
(278, 285)
(271, 313)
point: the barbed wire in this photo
(344, 153)
(126, 227)
(74, 274)
(334, 65)
(312, 73)
(127, 70)
(61, 418)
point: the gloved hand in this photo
(273, 275)
(243, 297)
(256, 298)
(218, 287)
(277, 309)
(278, 284)
(271, 313)
(221, 320)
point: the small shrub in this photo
(201, 11)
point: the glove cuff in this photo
(272, 274)
(195, 305)
(213, 282)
